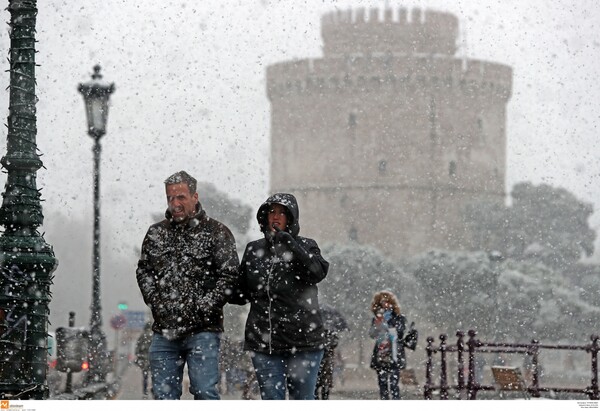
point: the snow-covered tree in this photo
(460, 290)
(356, 273)
(504, 300)
(232, 212)
(544, 223)
(584, 278)
(548, 306)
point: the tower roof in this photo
(396, 31)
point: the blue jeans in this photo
(168, 357)
(297, 372)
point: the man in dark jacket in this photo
(186, 272)
(278, 277)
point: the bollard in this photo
(443, 368)
(460, 348)
(429, 349)
(594, 394)
(471, 383)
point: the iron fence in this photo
(473, 347)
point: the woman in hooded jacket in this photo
(278, 277)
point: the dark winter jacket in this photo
(279, 279)
(378, 331)
(186, 272)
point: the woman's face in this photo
(386, 305)
(277, 216)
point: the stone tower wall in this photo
(388, 148)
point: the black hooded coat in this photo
(279, 280)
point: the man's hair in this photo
(182, 177)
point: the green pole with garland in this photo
(26, 260)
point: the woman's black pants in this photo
(388, 381)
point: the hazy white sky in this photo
(190, 94)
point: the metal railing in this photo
(474, 346)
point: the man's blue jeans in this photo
(168, 357)
(298, 372)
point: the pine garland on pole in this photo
(26, 260)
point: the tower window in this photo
(344, 200)
(352, 120)
(452, 169)
(481, 130)
(353, 234)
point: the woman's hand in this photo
(308, 260)
(282, 237)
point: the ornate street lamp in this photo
(26, 260)
(96, 94)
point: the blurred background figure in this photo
(334, 323)
(237, 370)
(249, 383)
(227, 366)
(388, 358)
(339, 365)
(142, 347)
(529, 368)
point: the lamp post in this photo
(26, 260)
(96, 94)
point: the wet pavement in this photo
(360, 385)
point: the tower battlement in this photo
(333, 75)
(371, 31)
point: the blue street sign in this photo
(135, 319)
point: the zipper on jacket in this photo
(270, 300)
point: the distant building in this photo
(389, 136)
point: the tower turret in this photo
(389, 31)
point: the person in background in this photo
(334, 323)
(227, 365)
(142, 346)
(187, 270)
(531, 367)
(249, 384)
(325, 377)
(278, 277)
(339, 365)
(388, 358)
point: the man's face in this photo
(182, 204)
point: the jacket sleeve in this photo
(240, 296)
(145, 275)
(226, 261)
(317, 267)
(401, 326)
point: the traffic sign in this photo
(135, 319)
(118, 322)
